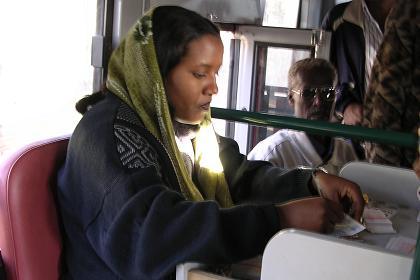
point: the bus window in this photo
(266, 54)
(281, 13)
(222, 98)
(270, 87)
(44, 67)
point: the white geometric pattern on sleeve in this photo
(134, 150)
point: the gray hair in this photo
(312, 65)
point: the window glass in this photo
(45, 56)
(281, 13)
(341, 1)
(221, 99)
(273, 63)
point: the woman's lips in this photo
(206, 106)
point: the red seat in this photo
(30, 239)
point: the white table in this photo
(295, 254)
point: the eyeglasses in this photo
(327, 93)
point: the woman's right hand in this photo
(314, 214)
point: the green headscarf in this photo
(134, 76)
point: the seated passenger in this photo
(147, 184)
(311, 93)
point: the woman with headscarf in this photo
(147, 184)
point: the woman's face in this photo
(191, 84)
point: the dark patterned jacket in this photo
(125, 218)
(393, 99)
(347, 52)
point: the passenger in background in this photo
(147, 184)
(393, 99)
(357, 31)
(311, 93)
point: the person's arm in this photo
(144, 226)
(151, 231)
(260, 181)
(341, 191)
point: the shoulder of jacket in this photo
(136, 146)
(334, 16)
(349, 13)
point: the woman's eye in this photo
(199, 75)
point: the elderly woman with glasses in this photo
(312, 95)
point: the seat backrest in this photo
(298, 254)
(384, 183)
(30, 239)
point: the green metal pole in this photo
(415, 271)
(408, 140)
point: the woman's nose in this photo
(212, 87)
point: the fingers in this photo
(332, 214)
(315, 214)
(346, 203)
(328, 227)
(335, 212)
(344, 192)
(358, 204)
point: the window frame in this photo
(250, 36)
(256, 89)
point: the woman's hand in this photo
(315, 214)
(341, 191)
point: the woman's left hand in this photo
(341, 191)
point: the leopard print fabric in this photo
(393, 99)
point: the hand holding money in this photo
(341, 191)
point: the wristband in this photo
(315, 181)
(319, 169)
(313, 186)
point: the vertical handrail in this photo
(415, 271)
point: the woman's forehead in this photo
(206, 50)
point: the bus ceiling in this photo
(304, 14)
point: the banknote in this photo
(347, 227)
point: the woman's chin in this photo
(189, 120)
